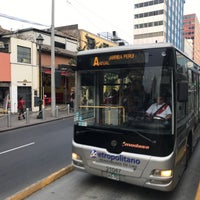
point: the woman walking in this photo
(21, 104)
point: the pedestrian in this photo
(72, 96)
(21, 105)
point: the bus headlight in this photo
(77, 161)
(162, 173)
(75, 156)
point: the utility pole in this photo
(53, 96)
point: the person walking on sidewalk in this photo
(21, 105)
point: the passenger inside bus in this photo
(111, 97)
(159, 110)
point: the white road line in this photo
(16, 148)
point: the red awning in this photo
(64, 73)
(47, 71)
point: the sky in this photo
(95, 16)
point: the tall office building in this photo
(192, 32)
(158, 21)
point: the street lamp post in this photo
(39, 40)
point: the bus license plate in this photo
(113, 176)
(112, 173)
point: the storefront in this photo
(64, 84)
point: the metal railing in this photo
(8, 120)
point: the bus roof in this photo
(124, 48)
(136, 47)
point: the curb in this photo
(40, 184)
(197, 197)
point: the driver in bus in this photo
(160, 109)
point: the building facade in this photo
(158, 21)
(86, 40)
(191, 30)
(19, 62)
(5, 77)
(23, 70)
(188, 48)
(20, 73)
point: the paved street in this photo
(11, 123)
(29, 154)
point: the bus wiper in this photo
(146, 138)
(135, 131)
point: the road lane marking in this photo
(16, 148)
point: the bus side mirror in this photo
(182, 91)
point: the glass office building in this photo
(157, 21)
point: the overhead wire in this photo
(21, 20)
(83, 11)
(94, 15)
(82, 14)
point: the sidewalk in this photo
(9, 122)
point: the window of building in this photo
(150, 24)
(60, 45)
(105, 45)
(23, 54)
(148, 14)
(90, 42)
(140, 15)
(148, 3)
(148, 35)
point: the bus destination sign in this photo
(117, 59)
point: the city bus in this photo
(113, 136)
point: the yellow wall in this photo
(99, 41)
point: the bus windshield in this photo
(121, 99)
